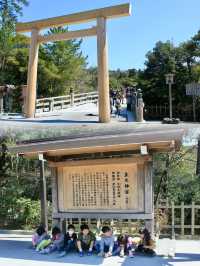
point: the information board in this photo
(101, 187)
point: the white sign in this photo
(193, 89)
(40, 156)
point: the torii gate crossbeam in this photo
(100, 15)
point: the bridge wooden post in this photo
(103, 74)
(1, 102)
(32, 75)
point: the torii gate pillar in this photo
(32, 75)
(103, 74)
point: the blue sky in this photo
(130, 38)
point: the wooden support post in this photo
(149, 225)
(23, 94)
(1, 103)
(173, 221)
(182, 219)
(32, 75)
(56, 222)
(193, 219)
(198, 158)
(63, 225)
(148, 187)
(54, 188)
(98, 224)
(43, 194)
(72, 97)
(103, 74)
(51, 105)
(194, 107)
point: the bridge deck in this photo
(77, 115)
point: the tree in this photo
(122, 79)
(183, 61)
(159, 62)
(61, 66)
(9, 12)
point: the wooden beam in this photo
(160, 146)
(32, 75)
(106, 215)
(131, 160)
(53, 150)
(76, 18)
(68, 35)
(103, 74)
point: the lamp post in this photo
(169, 81)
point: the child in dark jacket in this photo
(70, 239)
(147, 244)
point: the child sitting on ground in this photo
(39, 235)
(57, 242)
(86, 240)
(147, 244)
(69, 240)
(107, 246)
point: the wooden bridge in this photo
(65, 102)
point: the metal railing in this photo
(64, 102)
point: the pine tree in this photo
(9, 12)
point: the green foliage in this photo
(61, 66)
(27, 212)
(182, 60)
(122, 79)
(19, 190)
(178, 174)
(9, 11)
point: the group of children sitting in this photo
(86, 242)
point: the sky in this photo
(129, 38)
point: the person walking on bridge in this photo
(118, 106)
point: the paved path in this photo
(15, 251)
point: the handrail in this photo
(63, 102)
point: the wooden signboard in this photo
(101, 187)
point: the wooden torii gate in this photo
(100, 15)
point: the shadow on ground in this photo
(50, 121)
(21, 250)
(15, 253)
(180, 259)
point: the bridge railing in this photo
(64, 102)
